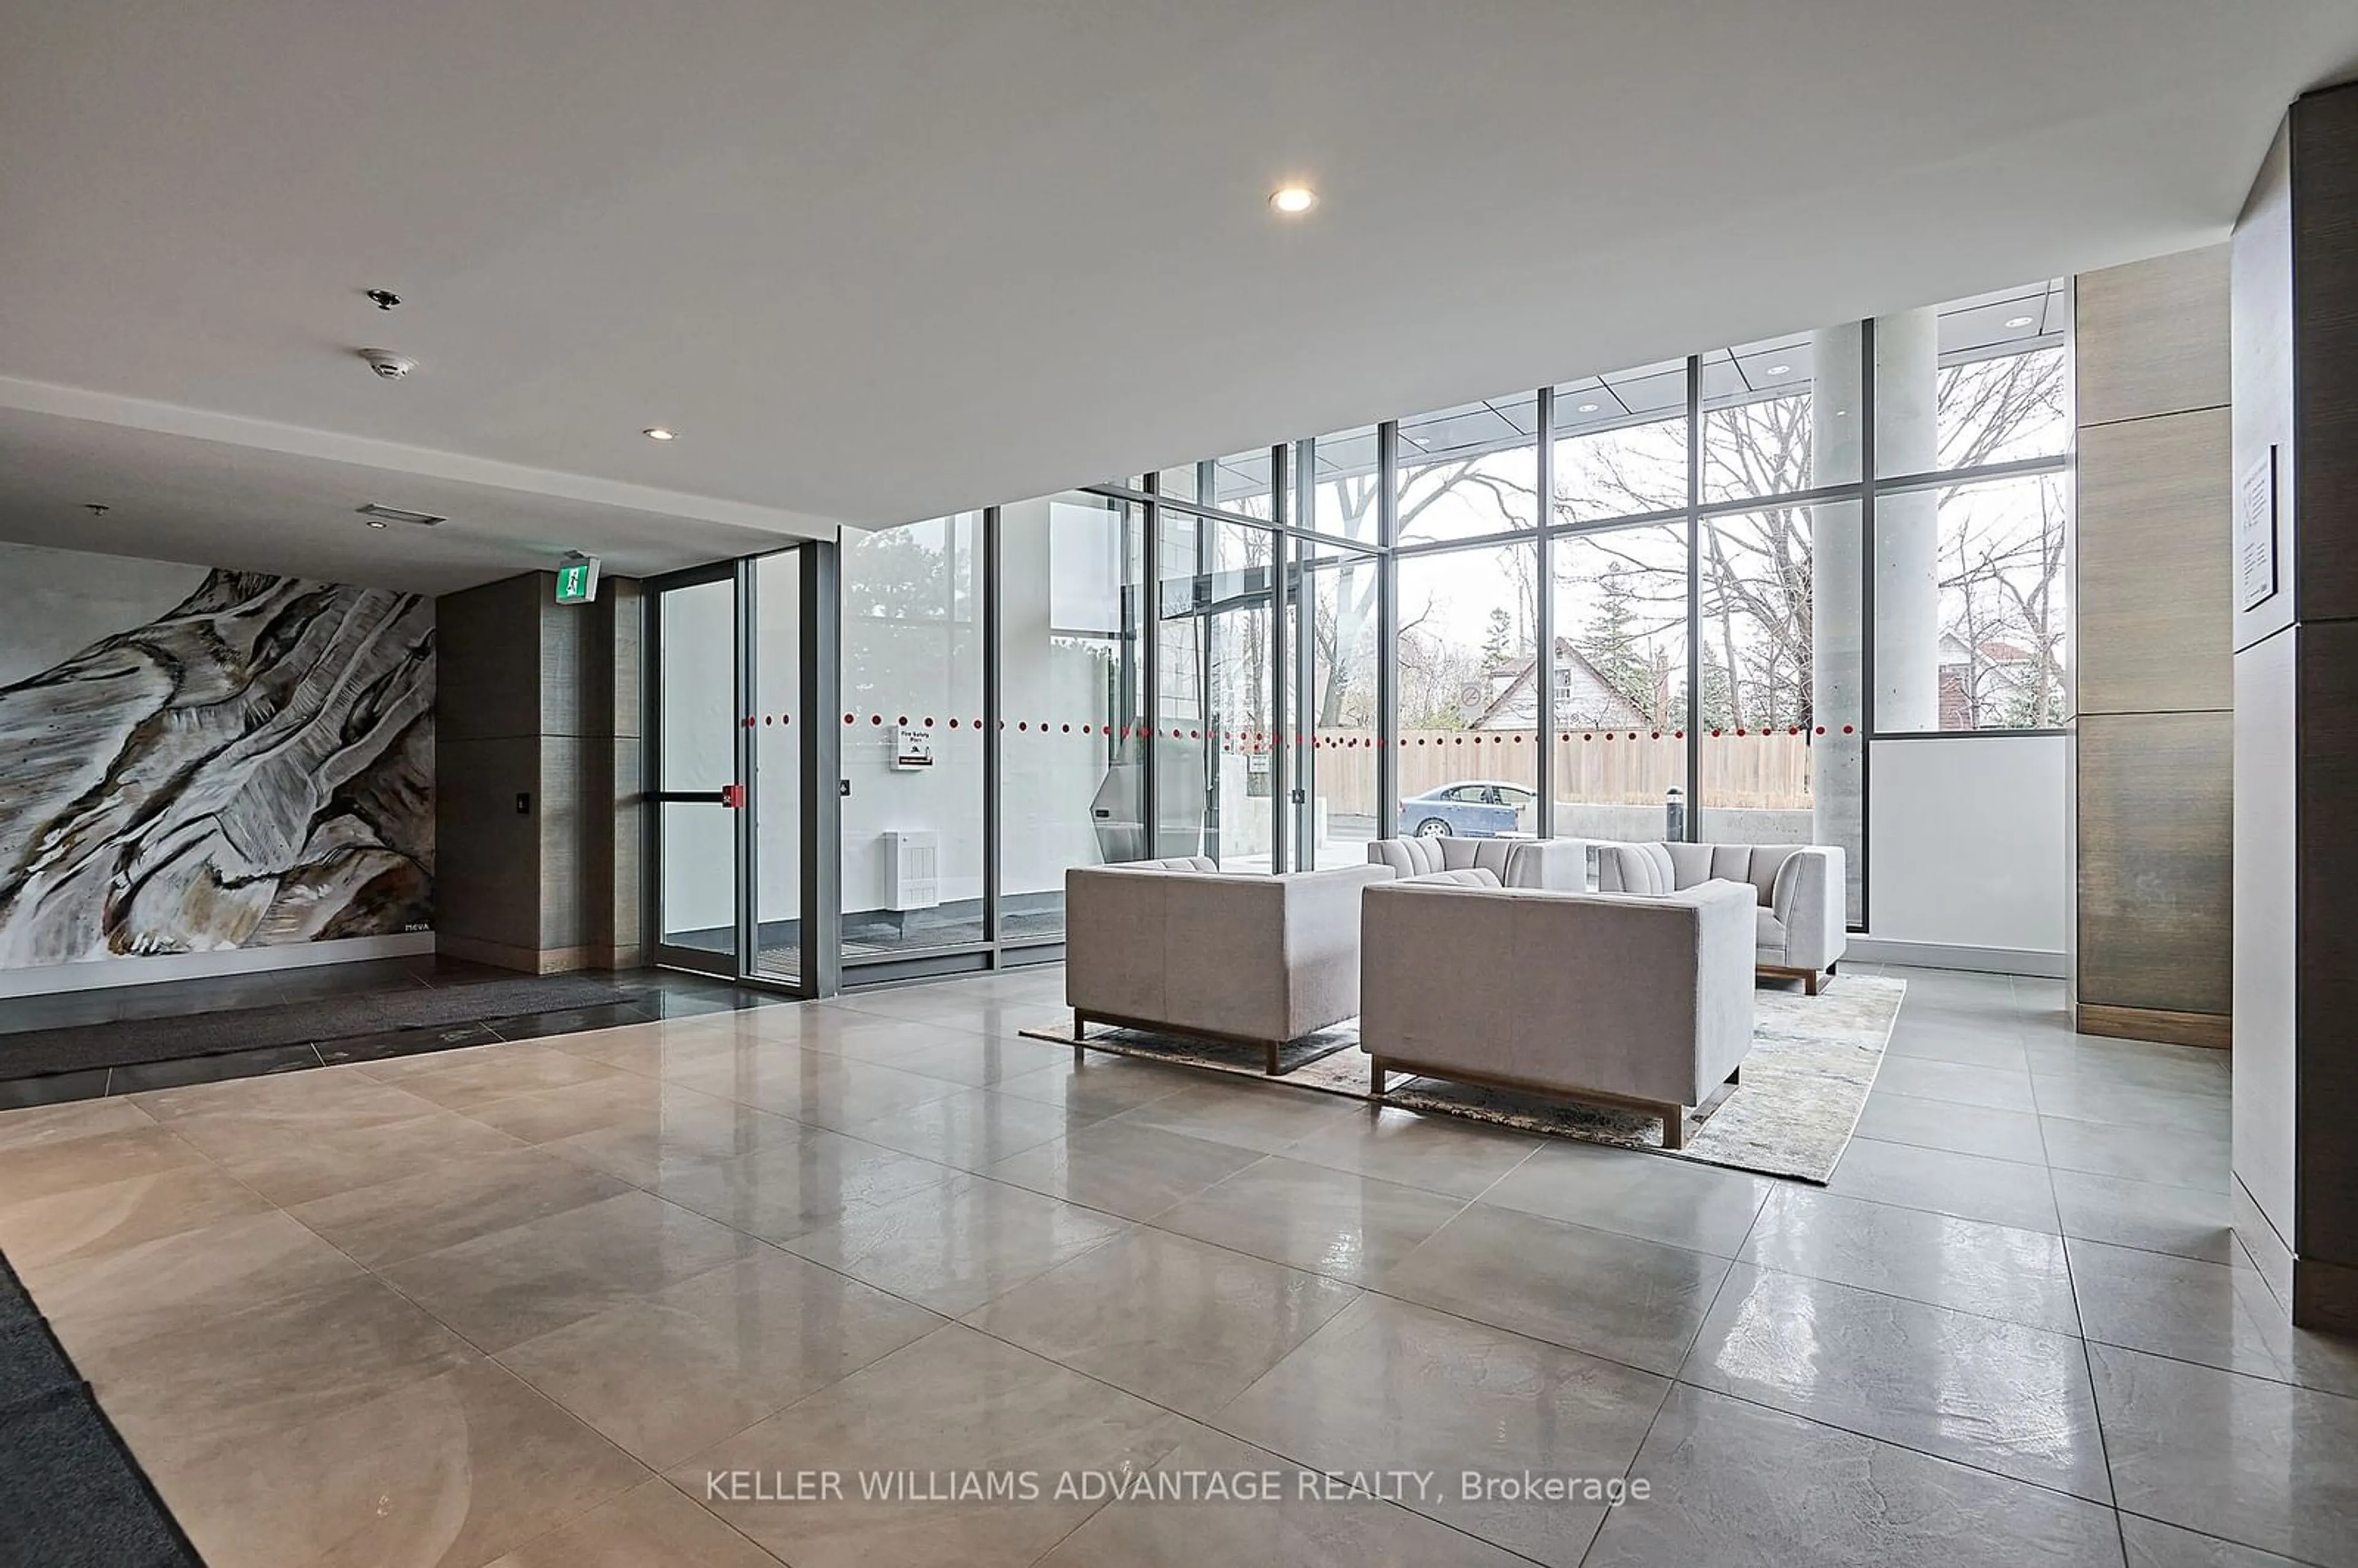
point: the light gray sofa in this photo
(1635, 1001)
(1181, 947)
(1559, 863)
(1800, 923)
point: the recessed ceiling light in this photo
(1781, 370)
(1588, 409)
(2017, 320)
(377, 523)
(658, 433)
(1294, 199)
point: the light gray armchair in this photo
(1802, 925)
(1558, 863)
(1644, 1002)
(1179, 946)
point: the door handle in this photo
(732, 796)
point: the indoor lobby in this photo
(644, 920)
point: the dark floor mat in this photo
(126, 1042)
(71, 1494)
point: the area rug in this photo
(71, 1494)
(1813, 1061)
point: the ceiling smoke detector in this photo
(378, 517)
(388, 364)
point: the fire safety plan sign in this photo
(2255, 533)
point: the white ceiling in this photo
(882, 260)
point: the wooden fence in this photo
(1753, 771)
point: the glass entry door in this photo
(1216, 739)
(699, 795)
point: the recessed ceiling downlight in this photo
(1293, 199)
(660, 433)
(2017, 320)
(1588, 409)
(1781, 370)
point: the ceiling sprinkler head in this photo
(383, 299)
(388, 364)
(94, 508)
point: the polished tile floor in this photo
(600, 1299)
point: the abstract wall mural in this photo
(251, 763)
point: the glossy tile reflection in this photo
(516, 1302)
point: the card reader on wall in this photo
(912, 749)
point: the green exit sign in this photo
(577, 581)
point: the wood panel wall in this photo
(2154, 872)
(539, 702)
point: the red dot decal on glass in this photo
(903, 721)
(1821, 728)
(1658, 734)
(875, 719)
(1022, 725)
(1677, 734)
(784, 718)
(1067, 729)
(929, 722)
(1714, 734)
(1846, 728)
(1589, 738)
(953, 723)
(851, 718)
(749, 722)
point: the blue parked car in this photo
(1477, 808)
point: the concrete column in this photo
(1907, 526)
(1838, 602)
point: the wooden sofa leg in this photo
(1674, 1127)
(1377, 1073)
(1813, 983)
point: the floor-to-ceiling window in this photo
(1685, 599)
(913, 683)
(1073, 788)
(1619, 753)
(1338, 597)
(1467, 663)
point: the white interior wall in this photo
(1968, 844)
